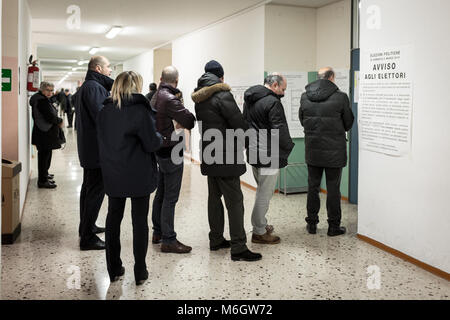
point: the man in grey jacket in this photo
(326, 116)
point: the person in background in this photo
(263, 111)
(325, 115)
(127, 140)
(69, 108)
(169, 110)
(89, 101)
(45, 132)
(62, 102)
(216, 108)
(152, 91)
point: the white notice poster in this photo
(296, 83)
(342, 80)
(385, 100)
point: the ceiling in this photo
(147, 24)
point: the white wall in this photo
(290, 38)
(143, 64)
(237, 43)
(162, 59)
(24, 129)
(334, 35)
(403, 202)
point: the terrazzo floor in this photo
(46, 263)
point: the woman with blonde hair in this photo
(127, 141)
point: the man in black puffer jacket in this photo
(218, 112)
(263, 111)
(325, 115)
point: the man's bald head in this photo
(100, 64)
(170, 75)
(326, 73)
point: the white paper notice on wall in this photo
(385, 100)
(296, 83)
(342, 80)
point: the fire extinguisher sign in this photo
(6, 79)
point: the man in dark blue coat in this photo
(325, 115)
(89, 102)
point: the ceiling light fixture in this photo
(94, 50)
(114, 32)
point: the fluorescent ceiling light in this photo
(113, 32)
(81, 62)
(94, 50)
(73, 69)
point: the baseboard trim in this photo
(401, 255)
(325, 191)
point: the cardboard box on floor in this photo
(10, 200)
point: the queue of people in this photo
(130, 145)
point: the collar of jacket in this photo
(169, 88)
(105, 81)
(205, 93)
(136, 98)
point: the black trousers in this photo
(91, 199)
(170, 177)
(44, 162)
(333, 179)
(69, 119)
(139, 215)
(230, 189)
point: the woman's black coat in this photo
(127, 140)
(46, 117)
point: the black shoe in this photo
(98, 230)
(50, 176)
(246, 256)
(141, 279)
(312, 228)
(336, 231)
(51, 181)
(225, 244)
(98, 244)
(46, 185)
(115, 277)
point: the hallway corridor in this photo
(46, 257)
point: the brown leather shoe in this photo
(156, 239)
(176, 247)
(266, 238)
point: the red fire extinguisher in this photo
(33, 76)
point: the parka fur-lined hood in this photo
(208, 85)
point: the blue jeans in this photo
(170, 176)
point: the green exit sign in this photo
(6, 79)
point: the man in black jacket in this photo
(218, 112)
(264, 113)
(69, 108)
(169, 110)
(326, 116)
(89, 102)
(45, 132)
(152, 87)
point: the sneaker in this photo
(246, 256)
(176, 247)
(336, 231)
(266, 238)
(225, 244)
(312, 228)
